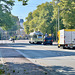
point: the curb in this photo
(1, 60)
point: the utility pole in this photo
(58, 18)
(56, 29)
(57, 24)
(58, 13)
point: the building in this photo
(21, 23)
(20, 32)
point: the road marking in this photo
(52, 71)
(1, 58)
(32, 60)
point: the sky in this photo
(22, 11)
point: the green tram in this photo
(36, 37)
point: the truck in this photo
(66, 38)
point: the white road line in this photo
(1, 58)
(32, 60)
(25, 55)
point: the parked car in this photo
(48, 40)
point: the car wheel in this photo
(51, 43)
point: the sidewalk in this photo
(16, 64)
(55, 43)
(4, 42)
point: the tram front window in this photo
(39, 36)
(35, 36)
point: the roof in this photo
(21, 20)
(36, 33)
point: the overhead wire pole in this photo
(56, 29)
(58, 13)
(58, 18)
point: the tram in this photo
(36, 37)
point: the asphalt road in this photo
(48, 56)
(61, 60)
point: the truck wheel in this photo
(51, 43)
(64, 47)
(58, 46)
(29, 42)
(32, 42)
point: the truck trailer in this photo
(66, 38)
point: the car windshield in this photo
(48, 38)
(39, 36)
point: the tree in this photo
(40, 19)
(15, 21)
(67, 12)
(15, 25)
(26, 27)
(5, 11)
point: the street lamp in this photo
(56, 2)
(25, 2)
(56, 29)
(58, 18)
(58, 13)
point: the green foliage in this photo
(45, 17)
(15, 25)
(67, 12)
(7, 22)
(40, 19)
(5, 18)
(26, 28)
(2, 71)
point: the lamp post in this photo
(58, 18)
(58, 13)
(25, 2)
(56, 29)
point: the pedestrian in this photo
(46, 35)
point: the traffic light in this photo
(24, 0)
(19, 0)
(25, 3)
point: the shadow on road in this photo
(63, 70)
(32, 69)
(11, 68)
